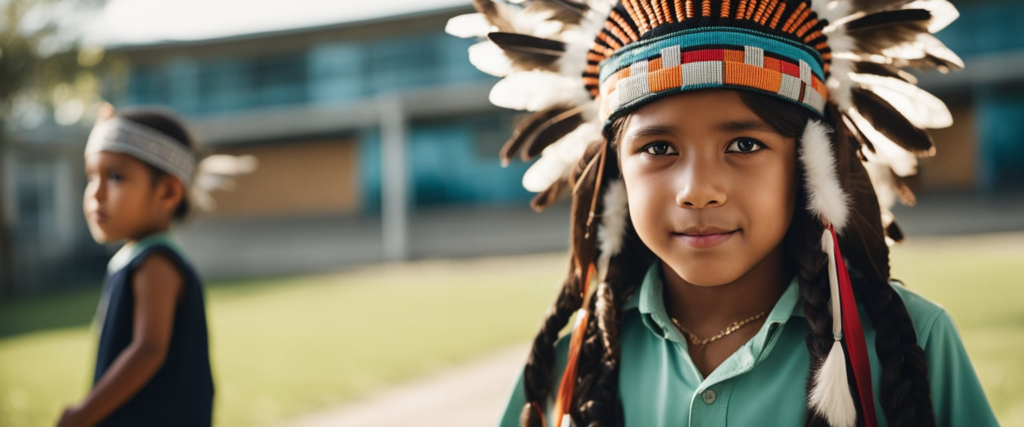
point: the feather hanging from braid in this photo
(577, 65)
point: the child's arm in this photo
(157, 285)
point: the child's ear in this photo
(170, 192)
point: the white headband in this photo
(123, 136)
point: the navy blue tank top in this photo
(181, 392)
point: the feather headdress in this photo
(579, 64)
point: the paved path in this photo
(470, 395)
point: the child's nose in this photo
(698, 186)
(96, 190)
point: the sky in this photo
(127, 22)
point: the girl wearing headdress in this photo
(153, 364)
(731, 166)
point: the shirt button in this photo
(709, 396)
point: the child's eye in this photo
(115, 177)
(745, 146)
(659, 149)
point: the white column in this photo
(394, 191)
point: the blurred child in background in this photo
(153, 364)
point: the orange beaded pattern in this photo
(632, 19)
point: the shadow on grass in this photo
(77, 308)
(67, 309)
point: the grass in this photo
(286, 346)
(282, 347)
(977, 280)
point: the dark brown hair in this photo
(170, 125)
(905, 392)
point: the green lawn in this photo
(286, 346)
(281, 347)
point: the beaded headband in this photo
(122, 136)
(215, 172)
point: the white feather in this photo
(831, 10)
(887, 152)
(830, 394)
(881, 181)
(925, 44)
(943, 13)
(938, 49)
(838, 82)
(825, 197)
(469, 25)
(489, 58)
(217, 172)
(228, 165)
(549, 168)
(923, 109)
(557, 159)
(578, 42)
(572, 146)
(534, 90)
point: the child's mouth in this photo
(705, 238)
(98, 217)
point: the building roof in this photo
(130, 23)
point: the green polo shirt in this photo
(764, 382)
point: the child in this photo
(153, 366)
(722, 158)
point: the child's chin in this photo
(101, 236)
(705, 275)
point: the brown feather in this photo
(895, 232)
(889, 18)
(554, 193)
(884, 70)
(877, 32)
(929, 62)
(528, 52)
(584, 185)
(857, 135)
(903, 191)
(497, 14)
(551, 131)
(863, 240)
(527, 128)
(891, 123)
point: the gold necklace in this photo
(697, 341)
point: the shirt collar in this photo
(129, 252)
(650, 302)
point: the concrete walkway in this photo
(470, 395)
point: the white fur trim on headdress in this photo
(611, 232)
(825, 197)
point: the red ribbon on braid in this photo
(568, 383)
(853, 336)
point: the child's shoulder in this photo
(926, 315)
(161, 253)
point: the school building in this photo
(362, 124)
